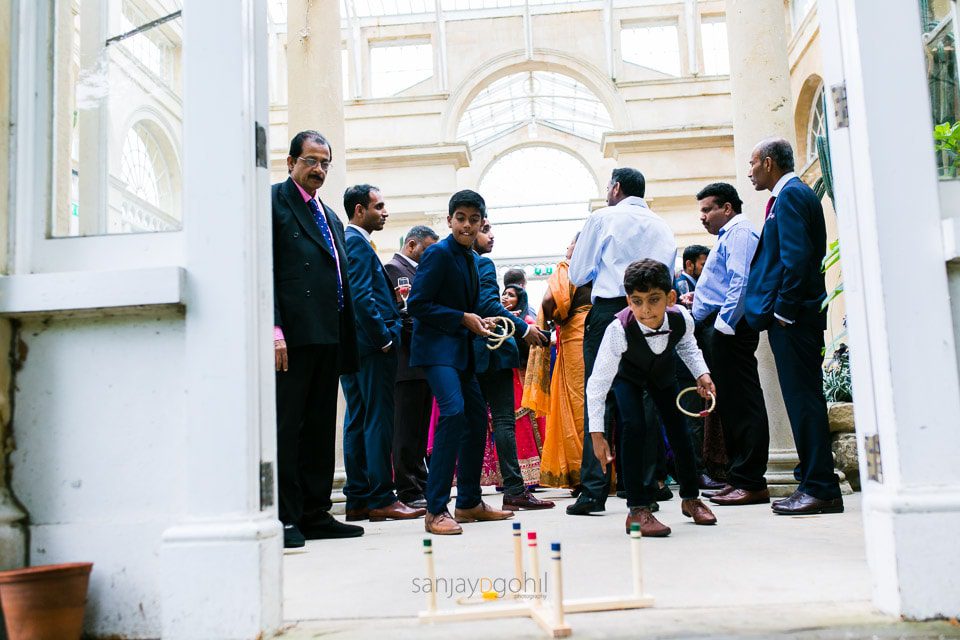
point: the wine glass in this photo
(403, 288)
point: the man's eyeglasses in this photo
(312, 162)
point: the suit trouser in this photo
(593, 477)
(797, 350)
(743, 413)
(694, 425)
(497, 389)
(306, 431)
(458, 440)
(368, 431)
(637, 427)
(411, 427)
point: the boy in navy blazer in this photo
(784, 294)
(368, 424)
(447, 315)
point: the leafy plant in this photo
(946, 139)
(837, 385)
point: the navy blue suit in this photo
(447, 287)
(786, 280)
(368, 423)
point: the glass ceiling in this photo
(371, 8)
(530, 99)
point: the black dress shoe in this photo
(709, 484)
(585, 506)
(622, 495)
(419, 503)
(663, 493)
(321, 528)
(292, 538)
(802, 504)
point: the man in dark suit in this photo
(412, 397)
(785, 292)
(447, 314)
(314, 342)
(368, 424)
(495, 375)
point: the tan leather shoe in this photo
(481, 513)
(701, 514)
(395, 511)
(650, 527)
(441, 524)
(742, 496)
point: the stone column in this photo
(762, 107)
(315, 101)
(13, 537)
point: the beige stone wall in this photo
(676, 130)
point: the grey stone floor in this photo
(753, 575)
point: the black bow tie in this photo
(650, 334)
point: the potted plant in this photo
(45, 602)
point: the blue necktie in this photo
(321, 221)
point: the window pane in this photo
(394, 69)
(818, 125)
(716, 59)
(118, 117)
(654, 47)
(940, 41)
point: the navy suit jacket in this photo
(443, 291)
(785, 276)
(507, 356)
(377, 317)
(305, 277)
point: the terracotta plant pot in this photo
(45, 603)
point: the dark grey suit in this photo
(412, 402)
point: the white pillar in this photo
(762, 107)
(902, 339)
(221, 564)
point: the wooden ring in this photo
(499, 337)
(703, 414)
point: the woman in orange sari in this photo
(560, 397)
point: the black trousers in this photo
(743, 413)
(637, 427)
(497, 389)
(694, 425)
(797, 350)
(411, 417)
(593, 477)
(306, 431)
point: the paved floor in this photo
(754, 574)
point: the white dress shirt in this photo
(612, 348)
(612, 238)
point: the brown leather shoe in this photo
(802, 504)
(441, 524)
(353, 515)
(727, 488)
(481, 513)
(782, 500)
(694, 508)
(742, 496)
(395, 511)
(650, 527)
(525, 500)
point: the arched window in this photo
(535, 218)
(532, 99)
(817, 125)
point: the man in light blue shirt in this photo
(730, 345)
(611, 239)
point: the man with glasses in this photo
(315, 342)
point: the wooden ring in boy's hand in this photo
(706, 411)
(502, 331)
